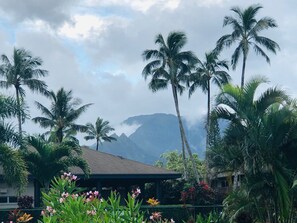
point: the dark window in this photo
(224, 183)
(3, 200)
(13, 199)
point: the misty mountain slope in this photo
(159, 133)
(156, 134)
(126, 148)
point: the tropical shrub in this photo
(17, 215)
(211, 217)
(25, 202)
(171, 190)
(199, 194)
(66, 203)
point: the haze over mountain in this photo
(156, 134)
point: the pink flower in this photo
(135, 193)
(156, 216)
(65, 194)
(50, 210)
(74, 196)
(92, 212)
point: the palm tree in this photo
(23, 70)
(258, 142)
(14, 168)
(99, 132)
(170, 66)
(47, 160)
(246, 29)
(211, 70)
(62, 115)
(8, 109)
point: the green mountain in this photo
(125, 147)
(156, 134)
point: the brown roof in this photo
(101, 163)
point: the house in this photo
(108, 172)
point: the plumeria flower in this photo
(135, 193)
(156, 216)
(92, 212)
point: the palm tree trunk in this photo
(208, 115)
(207, 130)
(60, 135)
(19, 114)
(183, 135)
(243, 70)
(97, 145)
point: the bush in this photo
(25, 202)
(171, 190)
(65, 203)
(199, 194)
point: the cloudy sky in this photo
(94, 47)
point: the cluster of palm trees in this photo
(170, 66)
(259, 142)
(46, 155)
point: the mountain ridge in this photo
(157, 133)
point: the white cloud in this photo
(84, 26)
(138, 5)
(126, 129)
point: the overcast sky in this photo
(94, 47)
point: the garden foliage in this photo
(66, 203)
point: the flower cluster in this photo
(69, 177)
(156, 216)
(17, 216)
(153, 202)
(91, 212)
(198, 194)
(25, 218)
(136, 192)
(49, 210)
(90, 196)
(204, 185)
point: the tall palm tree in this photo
(14, 168)
(211, 70)
(99, 131)
(47, 160)
(246, 29)
(170, 65)
(22, 70)
(62, 115)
